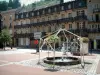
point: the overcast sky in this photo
(30, 1)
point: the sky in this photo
(26, 2)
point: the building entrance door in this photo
(91, 44)
(98, 44)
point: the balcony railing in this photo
(23, 35)
(96, 10)
(46, 22)
(94, 21)
(80, 17)
(94, 30)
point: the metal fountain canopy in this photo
(45, 41)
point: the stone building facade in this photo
(81, 17)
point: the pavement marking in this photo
(7, 64)
(3, 61)
(93, 69)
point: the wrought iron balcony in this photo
(96, 10)
(23, 35)
(80, 17)
(94, 30)
(45, 22)
(98, 21)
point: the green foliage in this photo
(84, 40)
(11, 4)
(16, 4)
(53, 39)
(3, 5)
(5, 36)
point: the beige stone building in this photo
(81, 17)
(8, 18)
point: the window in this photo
(92, 26)
(49, 18)
(32, 14)
(38, 20)
(92, 17)
(16, 16)
(62, 7)
(55, 17)
(10, 17)
(70, 26)
(55, 9)
(49, 10)
(22, 16)
(38, 13)
(96, 5)
(77, 25)
(63, 26)
(43, 12)
(97, 17)
(69, 14)
(10, 25)
(62, 16)
(27, 15)
(80, 4)
(69, 6)
(43, 19)
(80, 12)
(49, 29)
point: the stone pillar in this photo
(95, 44)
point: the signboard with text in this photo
(37, 35)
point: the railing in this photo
(94, 30)
(23, 35)
(81, 17)
(46, 22)
(96, 10)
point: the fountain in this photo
(64, 59)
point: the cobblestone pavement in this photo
(25, 60)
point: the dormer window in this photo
(27, 15)
(55, 9)
(32, 14)
(49, 10)
(43, 11)
(38, 13)
(22, 16)
(62, 7)
(69, 6)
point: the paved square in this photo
(21, 63)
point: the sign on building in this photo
(37, 35)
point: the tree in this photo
(3, 5)
(10, 4)
(16, 4)
(5, 37)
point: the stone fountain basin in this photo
(60, 62)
